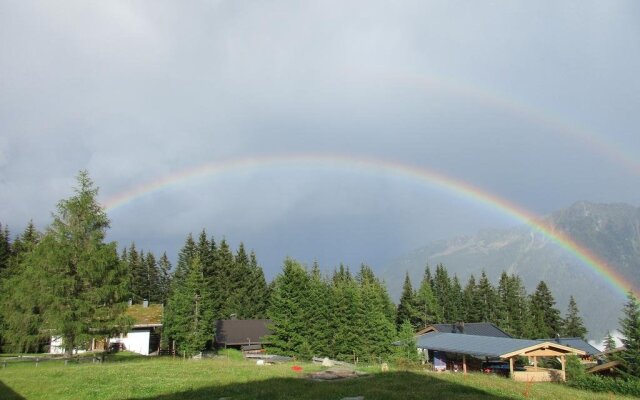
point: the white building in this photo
(143, 337)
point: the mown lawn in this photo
(169, 379)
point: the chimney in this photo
(145, 303)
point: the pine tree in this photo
(572, 324)
(546, 318)
(319, 314)
(630, 329)
(185, 258)
(457, 300)
(80, 280)
(407, 307)
(154, 288)
(426, 305)
(348, 318)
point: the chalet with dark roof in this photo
(245, 334)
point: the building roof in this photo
(145, 316)
(242, 331)
(603, 368)
(575, 343)
(471, 328)
(489, 346)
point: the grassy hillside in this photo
(167, 379)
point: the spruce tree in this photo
(630, 329)
(227, 303)
(5, 249)
(407, 307)
(546, 318)
(348, 318)
(572, 324)
(288, 310)
(457, 300)
(378, 329)
(257, 292)
(443, 293)
(20, 315)
(188, 318)
(164, 277)
(138, 282)
(609, 342)
(426, 305)
(79, 278)
(471, 312)
(486, 300)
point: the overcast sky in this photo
(535, 102)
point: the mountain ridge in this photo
(611, 231)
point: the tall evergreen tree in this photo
(471, 312)
(378, 327)
(164, 277)
(288, 310)
(5, 248)
(138, 283)
(546, 317)
(630, 329)
(486, 300)
(609, 342)
(20, 315)
(457, 300)
(188, 318)
(80, 281)
(426, 305)
(572, 324)
(227, 303)
(407, 307)
(257, 292)
(348, 318)
(442, 291)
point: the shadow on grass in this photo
(7, 394)
(392, 385)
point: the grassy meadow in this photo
(128, 377)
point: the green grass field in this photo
(127, 377)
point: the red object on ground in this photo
(296, 368)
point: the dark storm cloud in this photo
(133, 91)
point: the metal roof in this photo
(469, 328)
(575, 343)
(484, 346)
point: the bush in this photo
(575, 368)
(597, 383)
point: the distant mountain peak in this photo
(611, 231)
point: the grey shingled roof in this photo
(242, 331)
(473, 328)
(485, 346)
(575, 343)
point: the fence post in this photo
(37, 360)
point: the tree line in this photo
(68, 282)
(440, 298)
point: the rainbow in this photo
(384, 167)
(596, 143)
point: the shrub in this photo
(597, 383)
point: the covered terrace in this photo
(506, 349)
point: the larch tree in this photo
(82, 284)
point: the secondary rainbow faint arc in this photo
(381, 166)
(597, 143)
